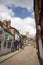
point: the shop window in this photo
(0, 44)
(5, 44)
(9, 45)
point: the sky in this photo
(21, 14)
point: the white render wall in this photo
(40, 48)
(3, 49)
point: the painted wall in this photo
(3, 49)
(40, 48)
(17, 37)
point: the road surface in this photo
(28, 56)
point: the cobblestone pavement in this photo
(26, 57)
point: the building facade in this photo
(38, 9)
(7, 36)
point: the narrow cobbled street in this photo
(28, 56)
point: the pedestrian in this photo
(16, 43)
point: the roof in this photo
(1, 23)
(10, 30)
(14, 29)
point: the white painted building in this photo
(7, 38)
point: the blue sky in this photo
(21, 14)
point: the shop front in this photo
(1, 39)
(8, 41)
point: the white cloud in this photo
(24, 25)
(29, 21)
(21, 3)
(5, 13)
(29, 29)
